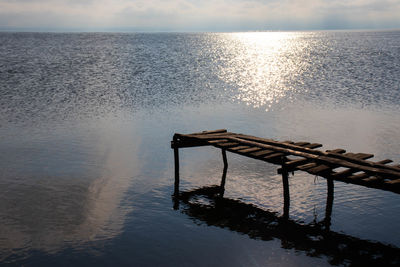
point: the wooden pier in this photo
(336, 164)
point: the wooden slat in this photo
(231, 144)
(393, 182)
(324, 168)
(274, 156)
(248, 150)
(364, 156)
(313, 145)
(319, 169)
(348, 172)
(301, 143)
(293, 163)
(218, 141)
(306, 166)
(385, 161)
(237, 148)
(338, 150)
(262, 153)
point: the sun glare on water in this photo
(263, 66)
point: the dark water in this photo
(86, 171)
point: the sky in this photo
(197, 15)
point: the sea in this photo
(87, 169)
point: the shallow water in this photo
(86, 171)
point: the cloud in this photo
(217, 15)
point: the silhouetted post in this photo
(286, 195)
(224, 172)
(329, 204)
(176, 157)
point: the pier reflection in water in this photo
(208, 205)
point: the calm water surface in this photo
(86, 169)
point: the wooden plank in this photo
(360, 155)
(319, 169)
(313, 145)
(262, 152)
(274, 156)
(348, 172)
(291, 165)
(237, 148)
(225, 145)
(218, 141)
(301, 143)
(307, 166)
(324, 168)
(393, 182)
(385, 161)
(248, 150)
(338, 150)
(364, 156)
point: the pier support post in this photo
(286, 194)
(222, 186)
(176, 158)
(329, 204)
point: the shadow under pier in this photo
(207, 205)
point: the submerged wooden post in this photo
(286, 195)
(329, 204)
(224, 172)
(176, 157)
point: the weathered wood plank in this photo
(293, 163)
(385, 161)
(324, 168)
(313, 145)
(306, 166)
(225, 145)
(218, 141)
(301, 143)
(348, 172)
(237, 148)
(274, 156)
(338, 150)
(248, 150)
(262, 152)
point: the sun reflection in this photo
(262, 65)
